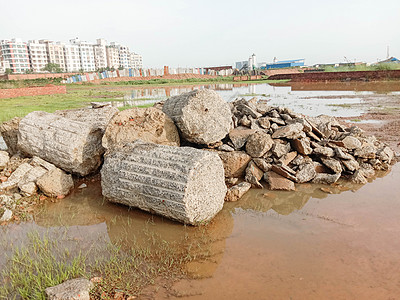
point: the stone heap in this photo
(282, 147)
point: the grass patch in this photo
(344, 105)
(12, 84)
(46, 261)
(380, 67)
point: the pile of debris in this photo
(178, 157)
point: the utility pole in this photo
(387, 52)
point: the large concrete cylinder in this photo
(71, 145)
(183, 184)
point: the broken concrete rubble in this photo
(202, 116)
(148, 124)
(236, 192)
(9, 132)
(181, 183)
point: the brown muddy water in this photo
(340, 243)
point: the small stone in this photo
(280, 149)
(237, 191)
(231, 181)
(226, 148)
(4, 159)
(351, 142)
(287, 158)
(73, 289)
(306, 173)
(82, 186)
(284, 171)
(340, 153)
(325, 178)
(326, 190)
(254, 174)
(351, 164)
(239, 136)
(367, 151)
(262, 164)
(258, 144)
(235, 163)
(55, 182)
(332, 164)
(7, 215)
(302, 146)
(292, 131)
(264, 123)
(358, 177)
(278, 182)
(325, 151)
(278, 121)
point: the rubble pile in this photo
(281, 147)
(178, 158)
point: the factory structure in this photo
(33, 56)
(251, 64)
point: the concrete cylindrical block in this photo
(183, 184)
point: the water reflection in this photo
(310, 101)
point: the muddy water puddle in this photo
(309, 101)
(340, 243)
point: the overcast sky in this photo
(211, 32)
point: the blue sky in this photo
(210, 33)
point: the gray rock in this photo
(263, 107)
(324, 151)
(358, 177)
(231, 181)
(279, 149)
(74, 289)
(100, 104)
(226, 148)
(351, 164)
(6, 200)
(332, 164)
(7, 215)
(27, 184)
(258, 144)
(367, 151)
(236, 192)
(306, 173)
(239, 136)
(287, 158)
(245, 121)
(351, 142)
(264, 123)
(70, 145)
(385, 154)
(181, 183)
(38, 162)
(9, 132)
(202, 116)
(15, 177)
(28, 188)
(4, 159)
(302, 146)
(247, 110)
(262, 164)
(325, 178)
(254, 175)
(277, 121)
(340, 153)
(55, 183)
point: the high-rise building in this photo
(4, 64)
(112, 56)
(100, 54)
(124, 56)
(136, 61)
(15, 52)
(86, 53)
(72, 58)
(55, 53)
(37, 56)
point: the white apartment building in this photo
(100, 54)
(124, 57)
(135, 60)
(37, 56)
(86, 53)
(15, 52)
(112, 56)
(55, 53)
(72, 58)
(4, 64)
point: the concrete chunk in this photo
(184, 184)
(74, 289)
(202, 116)
(71, 145)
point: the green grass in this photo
(11, 84)
(46, 261)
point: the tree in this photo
(9, 71)
(120, 68)
(28, 71)
(52, 68)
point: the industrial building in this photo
(284, 64)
